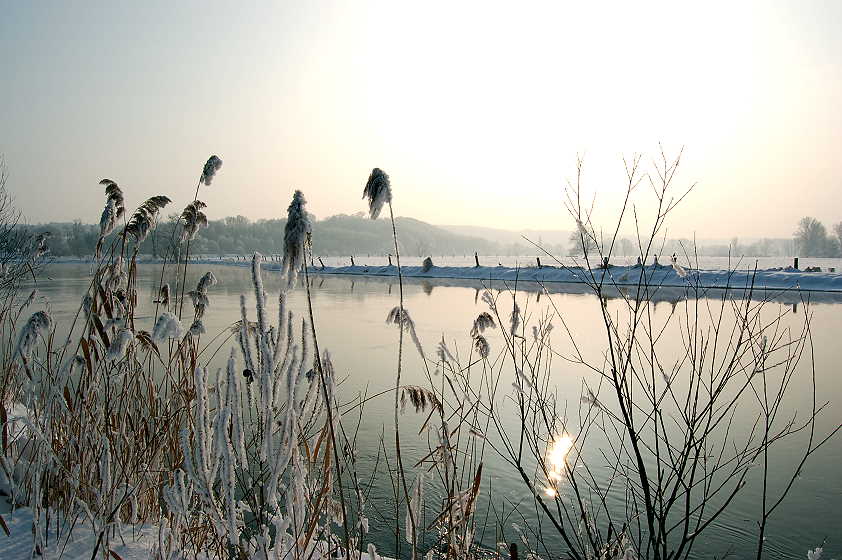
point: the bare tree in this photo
(666, 435)
(22, 251)
(582, 243)
(811, 238)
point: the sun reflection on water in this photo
(556, 462)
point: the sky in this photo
(477, 110)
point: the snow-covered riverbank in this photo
(654, 275)
(783, 282)
(667, 276)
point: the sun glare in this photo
(556, 462)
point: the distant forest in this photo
(237, 235)
(343, 235)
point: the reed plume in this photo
(199, 296)
(378, 191)
(115, 193)
(213, 165)
(296, 233)
(145, 218)
(192, 218)
(164, 296)
(514, 318)
(200, 302)
(420, 398)
(41, 248)
(483, 321)
(167, 326)
(197, 328)
(119, 345)
(400, 316)
(35, 327)
(206, 282)
(481, 346)
(114, 210)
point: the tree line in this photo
(237, 235)
(810, 239)
(355, 235)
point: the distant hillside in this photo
(334, 236)
(343, 234)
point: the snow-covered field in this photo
(136, 542)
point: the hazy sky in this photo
(476, 110)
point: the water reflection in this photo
(427, 287)
(656, 294)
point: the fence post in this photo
(476, 258)
(352, 261)
(390, 260)
(795, 263)
(539, 261)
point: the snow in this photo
(136, 544)
(133, 542)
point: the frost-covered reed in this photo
(377, 192)
(247, 434)
(250, 461)
(481, 346)
(164, 295)
(483, 321)
(514, 318)
(296, 232)
(192, 219)
(166, 327)
(36, 327)
(400, 317)
(114, 207)
(199, 296)
(145, 218)
(213, 165)
(113, 212)
(118, 347)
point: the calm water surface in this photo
(350, 314)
